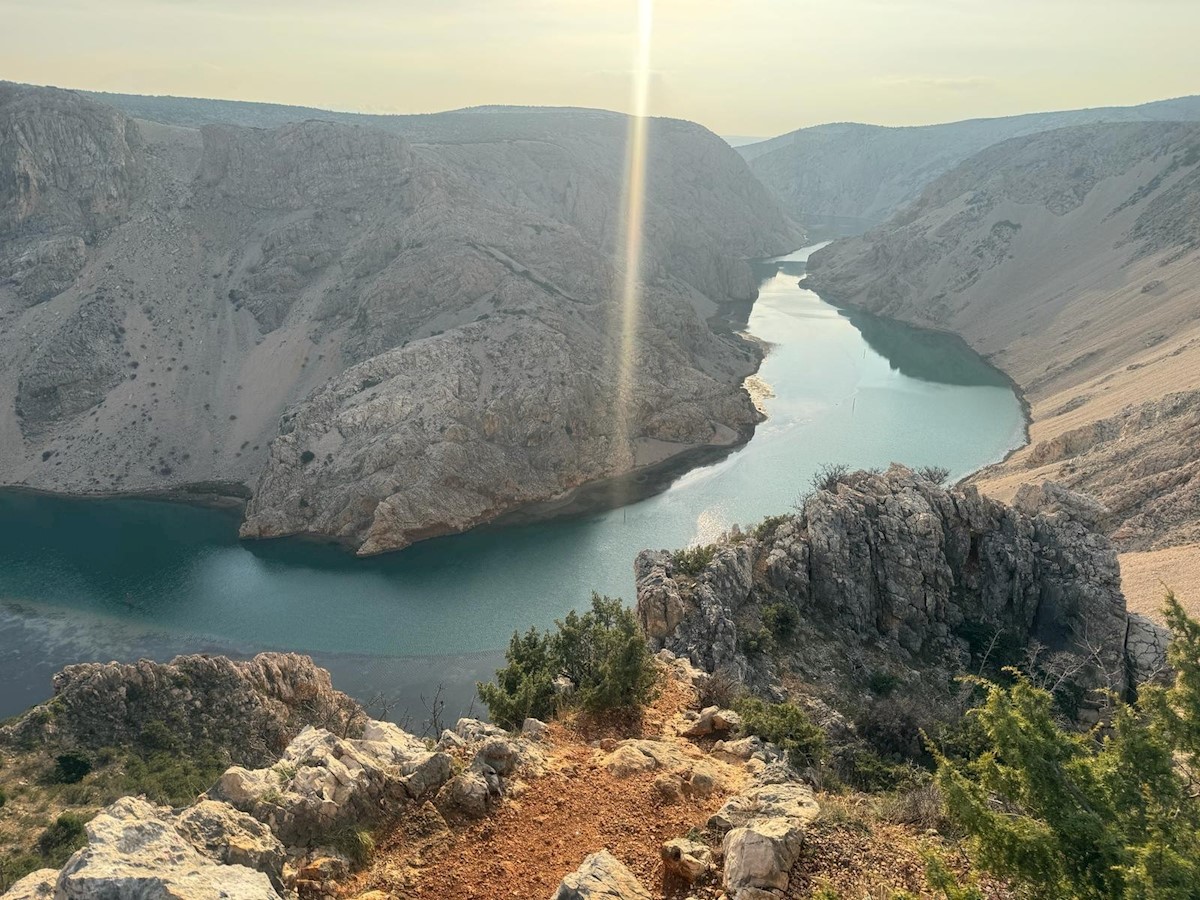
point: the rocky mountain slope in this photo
(1071, 259)
(856, 175)
(383, 339)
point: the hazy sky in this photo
(748, 67)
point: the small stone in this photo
(686, 859)
(535, 729)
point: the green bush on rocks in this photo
(601, 654)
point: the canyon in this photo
(375, 339)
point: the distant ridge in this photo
(862, 174)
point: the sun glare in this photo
(634, 201)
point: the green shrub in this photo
(781, 619)
(356, 844)
(767, 527)
(157, 736)
(1109, 815)
(882, 683)
(3, 798)
(693, 560)
(603, 654)
(756, 641)
(829, 476)
(936, 474)
(171, 779)
(788, 727)
(61, 839)
(71, 768)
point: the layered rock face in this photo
(248, 710)
(894, 566)
(856, 175)
(1071, 259)
(385, 339)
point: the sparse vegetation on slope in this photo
(1111, 814)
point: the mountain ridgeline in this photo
(382, 336)
(850, 176)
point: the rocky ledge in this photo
(247, 710)
(889, 571)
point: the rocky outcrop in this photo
(892, 564)
(601, 876)
(342, 319)
(764, 831)
(248, 710)
(137, 850)
(324, 783)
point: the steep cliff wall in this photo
(889, 572)
(436, 324)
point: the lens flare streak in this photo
(633, 208)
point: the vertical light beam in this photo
(634, 203)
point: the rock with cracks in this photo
(601, 876)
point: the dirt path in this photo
(549, 824)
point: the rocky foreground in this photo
(862, 608)
(1071, 259)
(380, 339)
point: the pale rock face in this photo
(713, 720)
(761, 854)
(863, 174)
(535, 729)
(892, 560)
(39, 885)
(133, 851)
(385, 340)
(232, 837)
(323, 783)
(1068, 259)
(764, 831)
(601, 876)
(787, 800)
(469, 795)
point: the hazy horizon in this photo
(754, 69)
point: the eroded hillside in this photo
(383, 340)
(1071, 259)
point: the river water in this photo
(121, 579)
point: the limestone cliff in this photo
(433, 321)
(1070, 258)
(889, 572)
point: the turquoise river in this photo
(86, 579)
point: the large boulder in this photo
(601, 876)
(134, 851)
(764, 831)
(761, 854)
(324, 783)
(232, 837)
(39, 885)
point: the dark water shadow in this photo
(925, 354)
